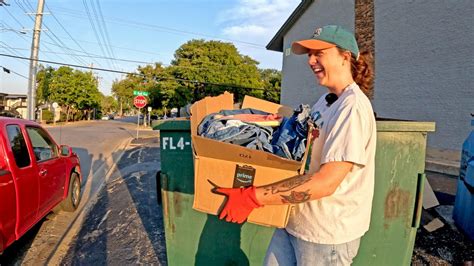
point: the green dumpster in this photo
(397, 203)
(194, 238)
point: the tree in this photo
(108, 104)
(87, 93)
(74, 90)
(271, 84)
(43, 78)
(209, 64)
(123, 91)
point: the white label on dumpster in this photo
(172, 144)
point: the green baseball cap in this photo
(327, 37)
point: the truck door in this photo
(51, 168)
(25, 179)
(8, 201)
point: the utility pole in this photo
(34, 61)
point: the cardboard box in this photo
(229, 165)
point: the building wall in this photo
(424, 62)
(298, 82)
(425, 65)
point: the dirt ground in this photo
(446, 245)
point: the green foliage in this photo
(272, 84)
(200, 68)
(214, 67)
(108, 104)
(47, 115)
(73, 89)
(43, 78)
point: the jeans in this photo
(289, 141)
(285, 250)
(239, 133)
(209, 118)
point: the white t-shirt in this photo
(347, 132)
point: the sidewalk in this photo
(62, 124)
(443, 161)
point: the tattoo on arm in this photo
(288, 184)
(296, 197)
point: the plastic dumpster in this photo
(463, 213)
(194, 238)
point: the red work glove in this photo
(239, 205)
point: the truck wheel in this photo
(73, 198)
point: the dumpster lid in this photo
(173, 125)
(391, 125)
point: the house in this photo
(14, 104)
(423, 57)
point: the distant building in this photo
(422, 52)
(14, 104)
(2, 101)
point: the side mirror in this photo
(66, 151)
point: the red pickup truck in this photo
(36, 175)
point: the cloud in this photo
(250, 17)
(256, 21)
(244, 30)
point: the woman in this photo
(334, 199)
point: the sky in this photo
(122, 35)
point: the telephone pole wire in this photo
(34, 61)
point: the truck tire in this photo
(71, 202)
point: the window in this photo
(43, 147)
(18, 145)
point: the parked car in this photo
(36, 175)
(105, 117)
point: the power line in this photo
(167, 29)
(89, 55)
(21, 35)
(84, 2)
(11, 49)
(64, 47)
(7, 70)
(67, 32)
(130, 73)
(17, 21)
(102, 27)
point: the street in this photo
(99, 144)
(125, 225)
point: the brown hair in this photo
(363, 73)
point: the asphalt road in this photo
(125, 226)
(99, 144)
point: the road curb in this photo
(443, 167)
(62, 246)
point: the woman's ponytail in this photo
(363, 73)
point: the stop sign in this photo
(139, 101)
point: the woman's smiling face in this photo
(327, 65)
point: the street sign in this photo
(142, 93)
(139, 101)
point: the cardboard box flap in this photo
(269, 107)
(209, 148)
(209, 105)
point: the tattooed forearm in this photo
(296, 197)
(288, 184)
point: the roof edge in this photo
(276, 43)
